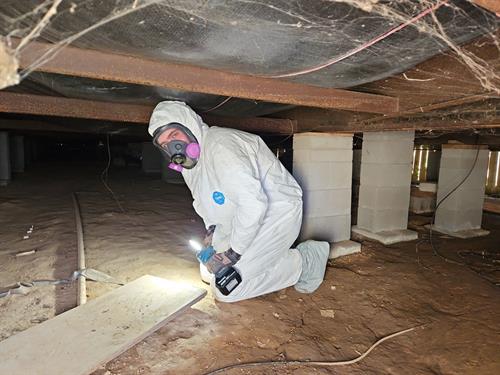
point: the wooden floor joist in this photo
(436, 125)
(491, 5)
(129, 113)
(108, 66)
(78, 341)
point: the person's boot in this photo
(314, 258)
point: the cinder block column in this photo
(460, 215)
(5, 173)
(322, 165)
(151, 158)
(17, 153)
(385, 182)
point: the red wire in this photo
(365, 45)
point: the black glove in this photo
(207, 241)
(221, 260)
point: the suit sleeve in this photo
(243, 187)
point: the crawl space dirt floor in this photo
(364, 296)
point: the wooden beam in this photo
(491, 5)
(471, 116)
(492, 140)
(477, 111)
(312, 119)
(449, 103)
(253, 124)
(394, 126)
(130, 113)
(442, 78)
(462, 101)
(309, 119)
(436, 124)
(94, 64)
(440, 82)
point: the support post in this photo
(460, 215)
(17, 153)
(322, 164)
(385, 181)
(5, 172)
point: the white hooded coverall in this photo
(242, 188)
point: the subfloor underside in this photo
(364, 297)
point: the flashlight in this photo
(205, 275)
(226, 279)
(195, 245)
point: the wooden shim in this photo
(463, 146)
(491, 205)
(82, 339)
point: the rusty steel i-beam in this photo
(94, 64)
(131, 113)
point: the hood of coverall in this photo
(177, 112)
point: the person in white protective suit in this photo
(246, 197)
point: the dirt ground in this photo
(364, 296)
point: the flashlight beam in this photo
(195, 245)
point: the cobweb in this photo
(331, 43)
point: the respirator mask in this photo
(181, 154)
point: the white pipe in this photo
(82, 287)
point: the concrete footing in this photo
(322, 164)
(339, 249)
(463, 234)
(387, 237)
